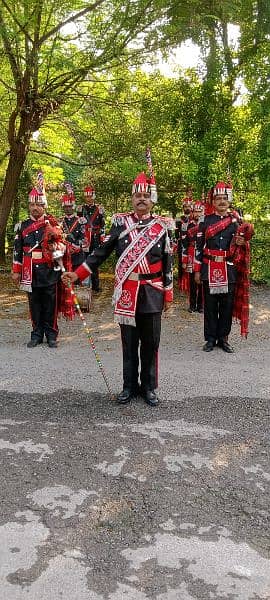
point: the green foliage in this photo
(82, 86)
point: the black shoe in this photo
(208, 346)
(125, 396)
(225, 346)
(191, 310)
(33, 343)
(150, 397)
(52, 343)
(200, 310)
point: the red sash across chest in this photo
(133, 263)
(35, 226)
(216, 228)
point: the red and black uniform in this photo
(189, 237)
(74, 234)
(180, 227)
(213, 260)
(38, 277)
(93, 219)
(139, 298)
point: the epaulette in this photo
(17, 226)
(169, 222)
(236, 217)
(119, 218)
(51, 220)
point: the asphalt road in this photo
(102, 502)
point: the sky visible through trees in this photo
(101, 81)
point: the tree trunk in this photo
(2, 249)
(16, 161)
(10, 229)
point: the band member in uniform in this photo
(35, 274)
(93, 218)
(218, 234)
(181, 225)
(143, 286)
(189, 236)
(73, 230)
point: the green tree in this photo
(45, 62)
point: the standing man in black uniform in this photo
(73, 230)
(93, 218)
(34, 274)
(143, 286)
(215, 268)
(189, 237)
(180, 228)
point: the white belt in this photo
(134, 276)
(36, 255)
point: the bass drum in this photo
(84, 295)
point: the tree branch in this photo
(8, 87)
(21, 27)
(34, 53)
(71, 19)
(12, 61)
(60, 158)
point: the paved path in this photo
(101, 502)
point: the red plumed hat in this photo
(37, 197)
(198, 205)
(89, 191)
(68, 200)
(142, 183)
(187, 201)
(223, 188)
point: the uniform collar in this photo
(143, 217)
(222, 216)
(39, 218)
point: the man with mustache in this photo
(73, 230)
(214, 267)
(34, 274)
(92, 218)
(189, 236)
(180, 229)
(143, 286)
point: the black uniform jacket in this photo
(97, 224)
(221, 241)
(74, 233)
(43, 275)
(150, 300)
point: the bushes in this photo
(260, 253)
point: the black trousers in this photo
(95, 280)
(43, 311)
(195, 293)
(217, 313)
(94, 277)
(147, 335)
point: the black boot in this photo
(33, 343)
(52, 343)
(225, 346)
(209, 346)
(150, 397)
(125, 396)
